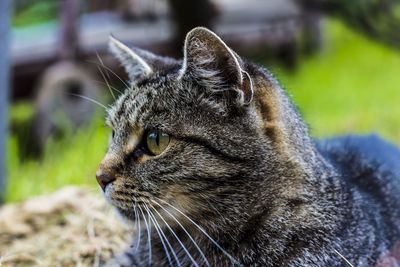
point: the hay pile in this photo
(71, 227)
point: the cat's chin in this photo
(108, 191)
(108, 194)
(127, 218)
(125, 214)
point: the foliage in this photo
(378, 19)
(35, 12)
(351, 86)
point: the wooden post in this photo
(5, 14)
(69, 43)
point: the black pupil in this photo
(157, 139)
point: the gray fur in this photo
(250, 175)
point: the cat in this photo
(212, 161)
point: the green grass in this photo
(72, 160)
(36, 13)
(351, 86)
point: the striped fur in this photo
(248, 173)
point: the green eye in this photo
(157, 142)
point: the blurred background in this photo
(339, 59)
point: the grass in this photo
(351, 86)
(72, 160)
(36, 13)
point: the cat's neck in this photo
(279, 217)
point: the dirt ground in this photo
(71, 227)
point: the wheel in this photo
(62, 102)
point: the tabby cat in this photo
(213, 163)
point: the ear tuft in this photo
(247, 88)
(135, 66)
(212, 64)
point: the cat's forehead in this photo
(130, 105)
(140, 100)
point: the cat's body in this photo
(234, 177)
(370, 168)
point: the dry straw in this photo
(71, 227)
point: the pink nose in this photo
(104, 178)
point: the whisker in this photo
(105, 80)
(112, 72)
(344, 258)
(111, 87)
(156, 226)
(150, 249)
(165, 238)
(137, 215)
(90, 99)
(176, 236)
(102, 63)
(136, 227)
(104, 77)
(203, 231)
(184, 229)
(148, 235)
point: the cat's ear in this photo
(134, 62)
(214, 65)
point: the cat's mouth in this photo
(108, 190)
(141, 209)
(132, 207)
(110, 196)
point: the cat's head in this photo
(201, 136)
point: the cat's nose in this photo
(104, 178)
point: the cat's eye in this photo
(113, 133)
(157, 142)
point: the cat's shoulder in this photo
(367, 157)
(365, 149)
